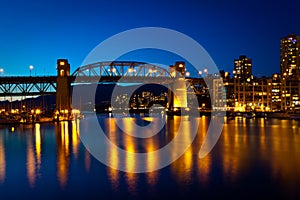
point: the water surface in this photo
(254, 158)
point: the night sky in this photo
(39, 32)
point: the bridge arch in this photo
(121, 69)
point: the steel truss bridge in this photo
(116, 71)
(27, 85)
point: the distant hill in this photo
(83, 96)
(47, 102)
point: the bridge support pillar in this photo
(63, 94)
(177, 95)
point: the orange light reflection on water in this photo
(63, 153)
(31, 165)
(113, 157)
(183, 166)
(38, 145)
(75, 139)
(284, 152)
(2, 161)
(130, 162)
(231, 157)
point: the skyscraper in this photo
(242, 67)
(290, 57)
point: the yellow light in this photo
(62, 63)
(76, 111)
(38, 143)
(62, 72)
(37, 111)
(180, 65)
(66, 111)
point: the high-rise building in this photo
(290, 57)
(242, 67)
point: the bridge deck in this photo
(27, 85)
(43, 85)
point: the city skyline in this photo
(38, 33)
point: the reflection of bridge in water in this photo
(116, 71)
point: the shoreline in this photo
(208, 113)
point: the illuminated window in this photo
(62, 73)
(62, 63)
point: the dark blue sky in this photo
(39, 32)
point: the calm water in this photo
(254, 158)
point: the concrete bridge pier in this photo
(177, 94)
(63, 109)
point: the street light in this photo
(30, 69)
(199, 73)
(205, 70)
(1, 71)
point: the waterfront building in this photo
(242, 67)
(229, 89)
(251, 94)
(274, 91)
(290, 71)
(290, 90)
(219, 95)
(290, 57)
